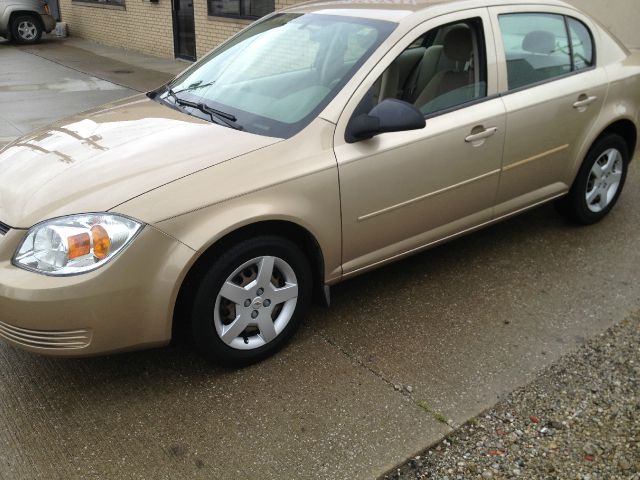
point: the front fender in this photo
(295, 180)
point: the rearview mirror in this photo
(390, 115)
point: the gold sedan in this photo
(320, 142)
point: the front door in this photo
(402, 191)
(184, 31)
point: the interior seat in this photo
(457, 47)
(539, 42)
(525, 69)
(390, 82)
(425, 71)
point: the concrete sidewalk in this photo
(123, 67)
(404, 353)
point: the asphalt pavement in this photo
(404, 354)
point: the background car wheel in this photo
(251, 301)
(26, 29)
(599, 182)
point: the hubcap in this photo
(604, 180)
(27, 30)
(256, 303)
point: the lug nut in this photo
(254, 314)
(260, 291)
(247, 302)
(267, 303)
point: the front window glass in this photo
(536, 47)
(275, 77)
(440, 70)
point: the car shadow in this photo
(390, 279)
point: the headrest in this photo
(539, 42)
(458, 43)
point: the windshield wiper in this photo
(195, 86)
(224, 117)
(172, 94)
(220, 116)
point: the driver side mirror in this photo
(390, 115)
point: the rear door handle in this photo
(584, 101)
(477, 137)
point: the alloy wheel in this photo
(604, 180)
(27, 30)
(256, 302)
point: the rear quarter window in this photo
(582, 44)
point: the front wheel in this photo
(26, 29)
(599, 182)
(251, 300)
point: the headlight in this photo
(75, 244)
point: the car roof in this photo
(396, 10)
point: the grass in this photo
(434, 413)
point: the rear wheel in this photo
(599, 182)
(251, 301)
(26, 29)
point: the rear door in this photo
(552, 90)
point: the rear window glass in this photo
(536, 47)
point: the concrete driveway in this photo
(404, 353)
(34, 92)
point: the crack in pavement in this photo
(421, 404)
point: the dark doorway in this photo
(184, 30)
(54, 8)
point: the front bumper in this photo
(125, 305)
(48, 22)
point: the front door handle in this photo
(482, 135)
(583, 102)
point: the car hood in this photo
(94, 161)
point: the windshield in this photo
(277, 75)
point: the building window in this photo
(240, 8)
(117, 3)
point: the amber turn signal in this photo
(79, 245)
(101, 242)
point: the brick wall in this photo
(142, 26)
(147, 27)
(211, 31)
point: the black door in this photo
(54, 8)
(184, 30)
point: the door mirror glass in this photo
(390, 115)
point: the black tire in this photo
(205, 336)
(30, 36)
(574, 206)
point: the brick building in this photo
(190, 28)
(165, 28)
